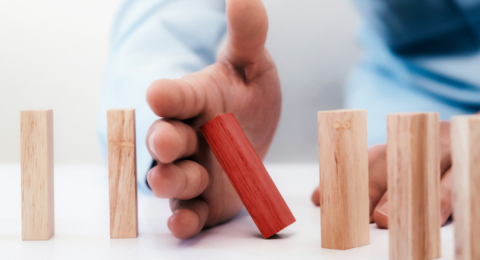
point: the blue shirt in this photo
(418, 56)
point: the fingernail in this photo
(384, 209)
(148, 176)
(151, 144)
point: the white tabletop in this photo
(82, 224)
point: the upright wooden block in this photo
(413, 164)
(466, 186)
(122, 173)
(343, 158)
(36, 137)
(247, 174)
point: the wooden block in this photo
(247, 174)
(122, 173)
(343, 158)
(466, 186)
(36, 142)
(413, 166)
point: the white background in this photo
(53, 54)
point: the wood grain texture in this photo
(465, 141)
(343, 161)
(247, 174)
(413, 166)
(122, 173)
(36, 142)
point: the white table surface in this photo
(82, 224)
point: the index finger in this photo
(175, 99)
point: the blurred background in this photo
(53, 55)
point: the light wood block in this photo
(122, 173)
(466, 186)
(413, 166)
(36, 142)
(343, 158)
(247, 174)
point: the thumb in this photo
(247, 27)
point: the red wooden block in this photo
(247, 174)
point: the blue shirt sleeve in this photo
(418, 56)
(153, 39)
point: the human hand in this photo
(243, 81)
(377, 170)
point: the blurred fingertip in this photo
(316, 197)
(163, 97)
(167, 146)
(183, 223)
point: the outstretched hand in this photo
(243, 81)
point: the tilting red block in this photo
(247, 174)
